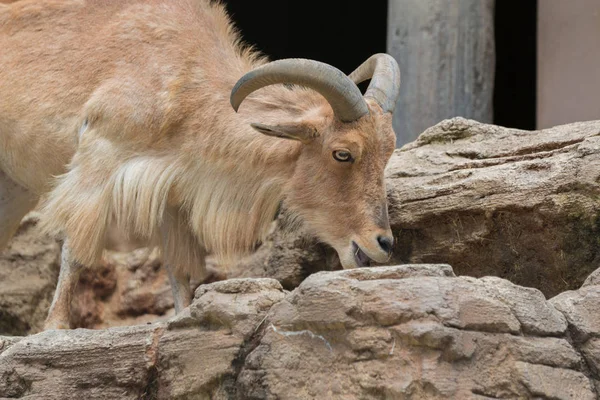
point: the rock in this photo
(407, 331)
(7, 341)
(593, 279)
(591, 352)
(413, 337)
(161, 360)
(522, 205)
(81, 362)
(286, 256)
(582, 310)
(555, 383)
(529, 306)
(227, 314)
(28, 272)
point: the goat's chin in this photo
(348, 263)
(347, 258)
(355, 256)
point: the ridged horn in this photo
(384, 72)
(343, 95)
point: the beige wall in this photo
(568, 85)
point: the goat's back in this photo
(126, 62)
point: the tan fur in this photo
(162, 155)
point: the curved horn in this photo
(341, 93)
(384, 72)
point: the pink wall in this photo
(568, 84)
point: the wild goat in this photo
(120, 112)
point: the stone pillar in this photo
(445, 49)
(568, 67)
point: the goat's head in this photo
(338, 186)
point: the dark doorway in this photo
(516, 46)
(342, 33)
(345, 33)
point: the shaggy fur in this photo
(118, 113)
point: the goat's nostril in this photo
(386, 243)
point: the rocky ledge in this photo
(408, 331)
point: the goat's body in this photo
(120, 86)
(44, 87)
(117, 113)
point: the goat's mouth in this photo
(361, 259)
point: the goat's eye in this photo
(342, 155)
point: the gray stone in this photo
(554, 383)
(582, 310)
(529, 306)
(490, 200)
(446, 54)
(593, 279)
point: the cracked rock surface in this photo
(408, 331)
(28, 273)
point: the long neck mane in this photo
(232, 188)
(234, 176)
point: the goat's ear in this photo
(303, 132)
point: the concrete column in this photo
(445, 49)
(568, 66)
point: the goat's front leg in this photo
(180, 286)
(60, 310)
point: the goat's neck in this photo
(236, 177)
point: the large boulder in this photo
(411, 331)
(523, 205)
(28, 273)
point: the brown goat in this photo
(119, 113)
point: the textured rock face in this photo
(495, 201)
(289, 257)
(413, 331)
(28, 272)
(193, 356)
